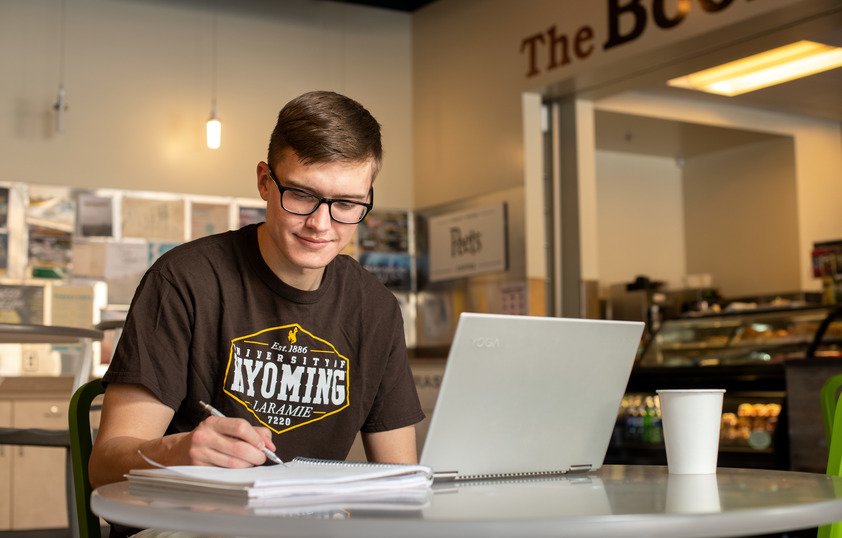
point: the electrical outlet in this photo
(30, 359)
(39, 359)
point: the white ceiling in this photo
(626, 133)
(818, 96)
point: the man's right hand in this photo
(228, 442)
(134, 420)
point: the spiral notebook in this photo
(526, 395)
(297, 478)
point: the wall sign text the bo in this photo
(627, 20)
(468, 242)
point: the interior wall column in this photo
(575, 235)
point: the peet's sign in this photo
(468, 242)
(627, 21)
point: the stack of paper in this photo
(298, 477)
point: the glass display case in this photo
(740, 339)
(750, 354)
(748, 436)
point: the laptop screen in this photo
(529, 395)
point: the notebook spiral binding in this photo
(341, 463)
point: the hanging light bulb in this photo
(214, 129)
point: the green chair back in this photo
(81, 444)
(829, 395)
(832, 416)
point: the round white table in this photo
(617, 500)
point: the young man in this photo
(299, 347)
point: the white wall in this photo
(641, 219)
(138, 76)
(741, 215)
(731, 214)
(817, 161)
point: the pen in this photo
(217, 413)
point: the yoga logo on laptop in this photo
(287, 377)
(485, 341)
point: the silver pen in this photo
(217, 413)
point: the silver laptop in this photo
(526, 395)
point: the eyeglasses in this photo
(299, 202)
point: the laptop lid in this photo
(529, 395)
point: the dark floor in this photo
(45, 533)
(804, 533)
(40, 533)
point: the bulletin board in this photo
(74, 239)
(60, 234)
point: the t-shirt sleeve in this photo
(396, 404)
(153, 347)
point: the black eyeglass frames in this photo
(300, 202)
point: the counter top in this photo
(11, 333)
(32, 388)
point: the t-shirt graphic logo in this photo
(287, 377)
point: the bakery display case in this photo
(750, 432)
(743, 339)
(771, 363)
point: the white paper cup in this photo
(692, 494)
(691, 420)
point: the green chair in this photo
(832, 416)
(829, 395)
(81, 444)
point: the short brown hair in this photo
(322, 126)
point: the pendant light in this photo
(214, 127)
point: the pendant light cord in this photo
(61, 42)
(214, 54)
(61, 101)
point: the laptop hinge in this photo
(445, 476)
(580, 468)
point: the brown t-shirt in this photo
(211, 322)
